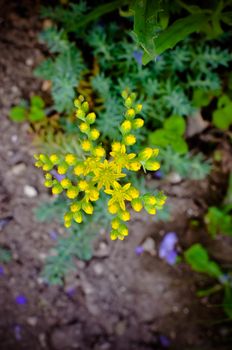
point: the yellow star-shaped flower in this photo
(119, 194)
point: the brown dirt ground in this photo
(121, 301)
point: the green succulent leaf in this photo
(222, 117)
(36, 114)
(171, 135)
(37, 101)
(18, 114)
(197, 257)
(218, 221)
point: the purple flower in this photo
(71, 291)
(53, 234)
(18, 332)
(164, 341)
(139, 250)
(57, 176)
(167, 249)
(1, 271)
(21, 299)
(158, 174)
(138, 56)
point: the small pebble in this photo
(32, 321)
(30, 191)
(98, 269)
(18, 169)
(29, 62)
(149, 246)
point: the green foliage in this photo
(222, 116)
(64, 70)
(155, 29)
(76, 244)
(218, 221)
(78, 241)
(170, 135)
(68, 16)
(5, 255)
(186, 165)
(197, 257)
(33, 113)
(50, 210)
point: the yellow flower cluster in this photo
(83, 179)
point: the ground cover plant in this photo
(132, 123)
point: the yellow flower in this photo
(99, 152)
(119, 194)
(115, 223)
(129, 140)
(134, 166)
(86, 145)
(84, 127)
(121, 158)
(94, 134)
(87, 207)
(92, 194)
(138, 123)
(113, 208)
(65, 183)
(79, 169)
(137, 204)
(138, 108)
(91, 117)
(145, 154)
(62, 168)
(97, 171)
(70, 159)
(152, 165)
(77, 216)
(83, 185)
(133, 192)
(130, 113)
(74, 207)
(106, 174)
(54, 158)
(126, 126)
(57, 189)
(116, 146)
(72, 192)
(124, 215)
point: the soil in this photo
(118, 300)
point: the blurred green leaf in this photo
(36, 114)
(218, 221)
(18, 114)
(176, 124)
(37, 101)
(222, 117)
(197, 257)
(171, 135)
